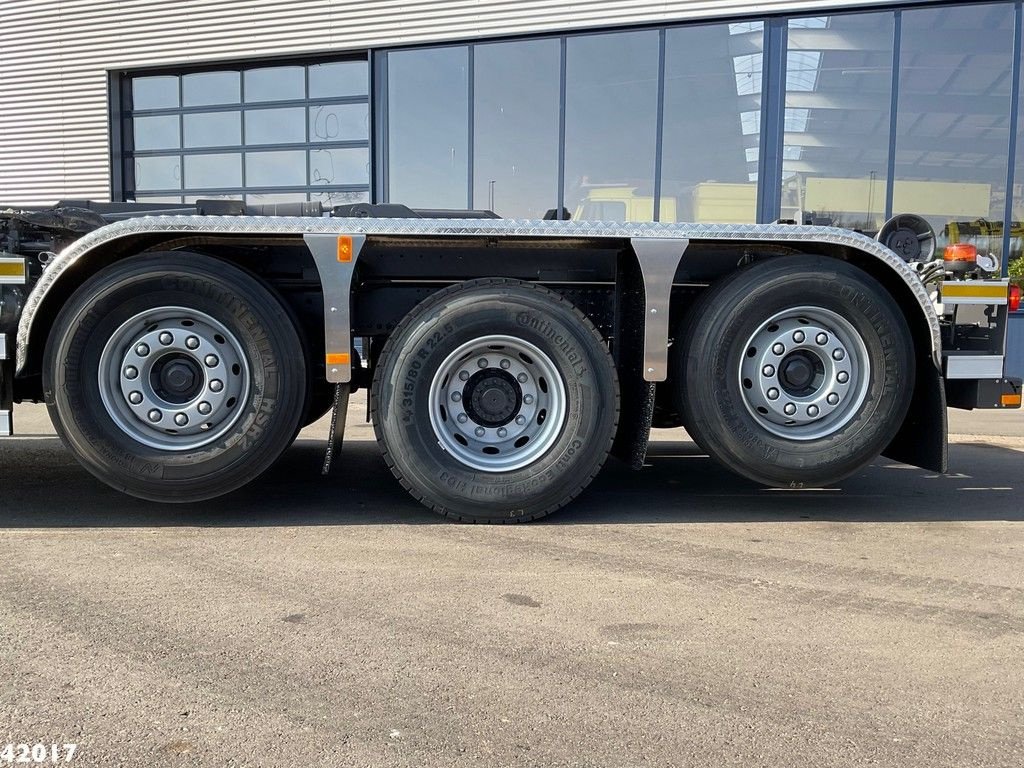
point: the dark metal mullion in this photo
(326, 101)
(894, 98)
(660, 126)
(379, 125)
(471, 119)
(560, 202)
(309, 150)
(773, 117)
(256, 190)
(181, 135)
(1014, 121)
(241, 98)
(295, 145)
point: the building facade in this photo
(706, 111)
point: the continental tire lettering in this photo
(553, 334)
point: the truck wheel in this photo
(495, 401)
(797, 371)
(175, 377)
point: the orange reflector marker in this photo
(344, 248)
(339, 358)
(1011, 401)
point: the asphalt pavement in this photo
(673, 616)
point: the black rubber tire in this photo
(254, 315)
(420, 344)
(720, 324)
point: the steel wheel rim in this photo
(804, 373)
(173, 378)
(497, 403)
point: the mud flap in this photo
(921, 440)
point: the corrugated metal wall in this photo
(54, 56)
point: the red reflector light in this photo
(960, 252)
(1013, 300)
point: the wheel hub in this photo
(804, 373)
(173, 378)
(497, 403)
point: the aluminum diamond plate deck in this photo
(273, 225)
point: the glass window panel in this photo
(339, 122)
(836, 145)
(330, 198)
(952, 128)
(204, 88)
(157, 198)
(213, 171)
(194, 198)
(268, 198)
(1017, 212)
(515, 160)
(213, 129)
(339, 166)
(155, 92)
(275, 126)
(275, 84)
(610, 124)
(339, 78)
(712, 127)
(428, 128)
(157, 173)
(156, 132)
(276, 169)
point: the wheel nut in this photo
(778, 349)
(798, 337)
(155, 415)
(462, 418)
(135, 398)
(821, 338)
(166, 339)
(773, 394)
(768, 370)
(456, 397)
(211, 361)
(131, 372)
(181, 419)
(528, 399)
(833, 399)
(464, 375)
(520, 420)
(842, 377)
(216, 385)
(522, 377)
(204, 408)
(502, 432)
(505, 364)
(790, 409)
(192, 342)
(479, 431)
(482, 362)
(142, 350)
(812, 410)
(838, 354)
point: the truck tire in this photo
(495, 401)
(796, 371)
(175, 376)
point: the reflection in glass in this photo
(610, 119)
(155, 92)
(275, 169)
(275, 126)
(836, 144)
(712, 123)
(952, 129)
(428, 127)
(275, 84)
(331, 198)
(515, 160)
(339, 166)
(213, 129)
(204, 88)
(339, 122)
(158, 172)
(157, 132)
(339, 78)
(213, 171)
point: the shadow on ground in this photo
(42, 486)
